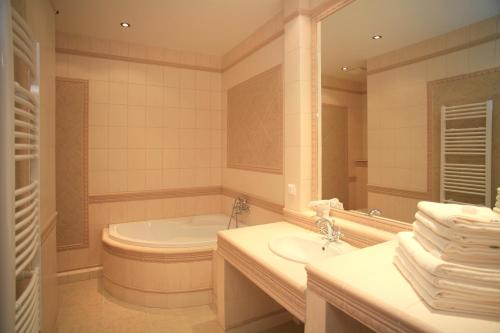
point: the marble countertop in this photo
(254, 242)
(366, 285)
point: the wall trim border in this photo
(153, 291)
(254, 49)
(254, 200)
(133, 59)
(350, 91)
(457, 48)
(155, 194)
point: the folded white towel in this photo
(474, 251)
(451, 285)
(438, 267)
(440, 301)
(479, 261)
(460, 236)
(472, 218)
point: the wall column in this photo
(297, 81)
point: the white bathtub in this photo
(192, 231)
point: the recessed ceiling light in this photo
(377, 37)
(345, 68)
(125, 24)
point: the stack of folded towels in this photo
(496, 209)
(452, 258)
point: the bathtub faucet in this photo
(240, 206)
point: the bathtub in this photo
(193, 231)
(162, 263)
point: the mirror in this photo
(410, 103)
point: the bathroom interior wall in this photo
(40, 17)
(397, 104)
(351, 95)
(151, 127)
(71, 163)
(267, 186)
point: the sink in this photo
(307, 248)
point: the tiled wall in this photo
(397, 104)
(298, 115)
(264, 185)
(151, 127)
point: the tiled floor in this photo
(84, 307)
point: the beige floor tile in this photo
(85, 307)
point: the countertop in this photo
(248, 250)
(366, 285)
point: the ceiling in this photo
(346, 35)
(203, 26)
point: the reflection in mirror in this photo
(410, 105)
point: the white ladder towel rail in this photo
(470, 143)
(20, 276)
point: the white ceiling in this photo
(202, 26)
(346, 35)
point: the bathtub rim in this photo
(155, 254)
(115, 234)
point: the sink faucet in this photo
(326, 227)
(374, 212)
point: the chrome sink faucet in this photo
(374, 212)
(326, 227)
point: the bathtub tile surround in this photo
(102, 214)
(157, 277)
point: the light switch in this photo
(292, 189)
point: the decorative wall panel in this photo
(255, 123)
(71, 163)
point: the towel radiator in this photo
(19, 175)
(466, 141)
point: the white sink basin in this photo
(307, 248)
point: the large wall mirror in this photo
(409, 105)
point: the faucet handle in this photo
(337, 233)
